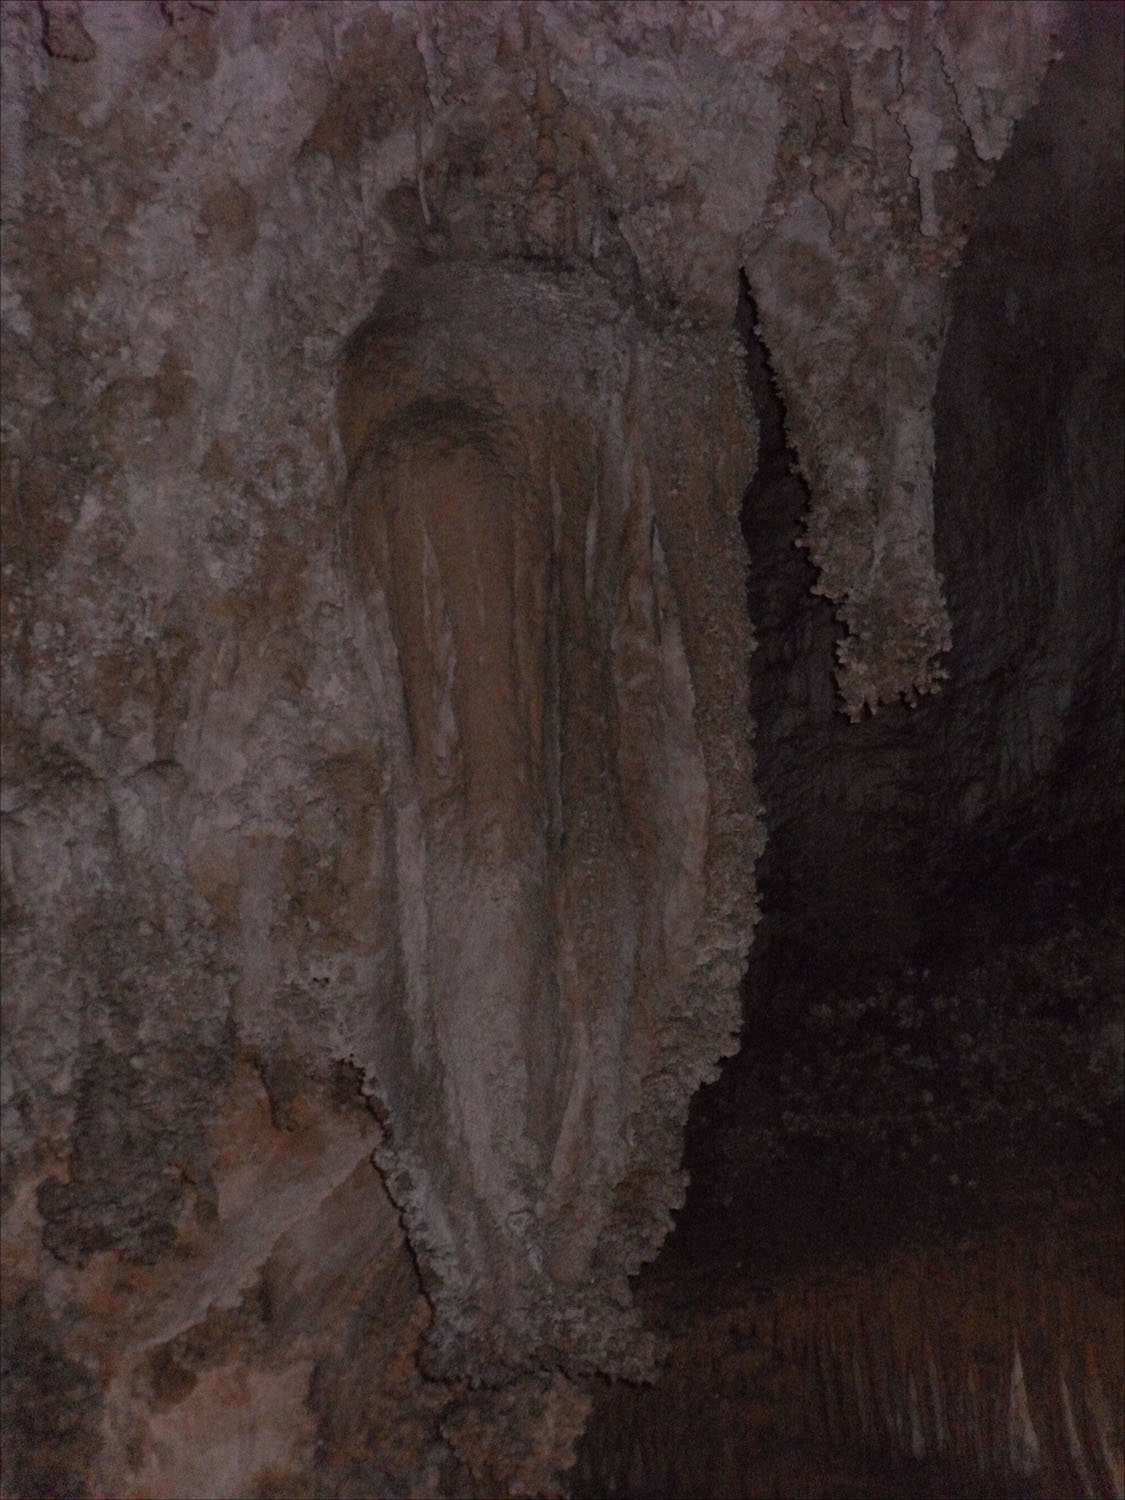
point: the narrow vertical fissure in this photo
(931, 1060)
(847, 805)
(791, 669)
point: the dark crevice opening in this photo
(926, 1059)
(790, 624)
(848, 807)
(867, 888)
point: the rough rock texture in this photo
(899, 828)
(899, 1269)
(540, 525)
(374, 715)
(868, 207)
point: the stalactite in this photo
(991, 1359)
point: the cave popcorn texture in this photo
(531, 511)
(232, 796)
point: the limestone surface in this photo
(376, 741)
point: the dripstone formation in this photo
(379, 821)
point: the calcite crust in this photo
(374, 661)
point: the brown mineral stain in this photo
(382, 71)
(229, 217)
(174, 387)
(170, 1381)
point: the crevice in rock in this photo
(791, 670)
(899, 1266)
(414, 730)
(847, 805)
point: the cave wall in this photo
(1032, 470)
(885, 825)
(373, 451)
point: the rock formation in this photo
(539, 531)
(379, 819)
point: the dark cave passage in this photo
(919, 1145)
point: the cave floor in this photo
(890, 1195)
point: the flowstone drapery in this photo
(541, 528)
(417, 773)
